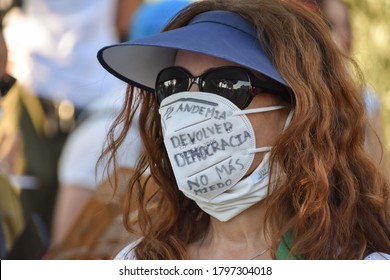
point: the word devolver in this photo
(185, 139)
(204, 152)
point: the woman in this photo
(254, 137)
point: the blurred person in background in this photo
(78, 181)
(73, 224)
(11, 215)
(336, 14)
(152, 15)
(51, 45)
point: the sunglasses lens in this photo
(171, 81)
(230, 83)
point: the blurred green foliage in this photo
(371, 48)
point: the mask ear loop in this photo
(259, 150)
(269, 148)
(257, 110)
(289, 118)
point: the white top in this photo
(85, 144)
(378, 256)
(127, 253)
(53, 46)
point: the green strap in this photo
(284, 248)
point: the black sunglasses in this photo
(237, 84)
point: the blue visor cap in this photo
(220, 34)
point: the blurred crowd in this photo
(59, 203)
(57, 106)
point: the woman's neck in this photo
(239, 238)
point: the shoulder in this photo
(377, 256)
(127, 253)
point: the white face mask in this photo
(211, 145)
